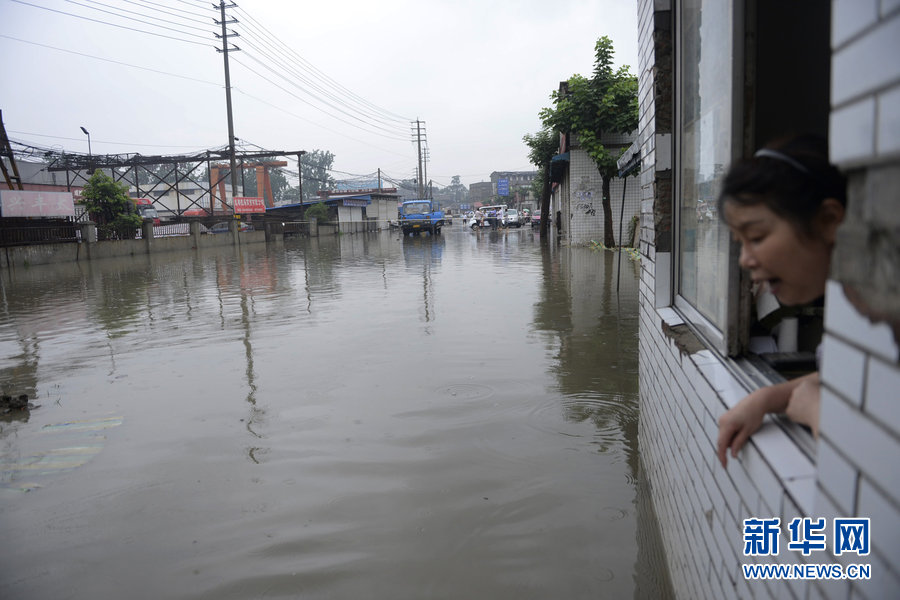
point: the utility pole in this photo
(420, 182)
(300, 175)
(225, 50)
(425, 168)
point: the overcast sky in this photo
(477, 72)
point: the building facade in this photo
(717, 79)
(576, 205)
(481, 192)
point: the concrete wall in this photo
(25, 256)
(685, 387)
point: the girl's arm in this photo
(742, 421)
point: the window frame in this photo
(730, 340)
(731, 343)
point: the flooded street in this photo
(343, 417)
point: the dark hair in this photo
(792, 181)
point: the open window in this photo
(746, 73)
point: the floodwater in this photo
(346, 417)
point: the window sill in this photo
(781, 454)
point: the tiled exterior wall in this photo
(684, 388)
(582, 205)
(860, 427)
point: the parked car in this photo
(223, 227)
(535, 220)
(218, 228)
(513, 218)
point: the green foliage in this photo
(604, 103)
(315, 166)
(107, 201)
(318, 211)
(591, 107)
(542, 147)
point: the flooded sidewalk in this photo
(359, 416)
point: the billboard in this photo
(16, 203)
(245, 205)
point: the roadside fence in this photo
(39, 234)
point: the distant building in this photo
(515, 178)
(519, 184)
(482, 192)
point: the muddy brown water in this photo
(346, 417)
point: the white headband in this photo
(767, 153)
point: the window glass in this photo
(706, 99)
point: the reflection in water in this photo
(422, 254)
(344, 417)
(595, 337)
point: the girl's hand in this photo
(798, 396)
(742, 421)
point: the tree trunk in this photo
(609, 239)
(545, 205)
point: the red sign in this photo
(249, 205)
(16, 203)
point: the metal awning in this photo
(630, 160)
(558, 166)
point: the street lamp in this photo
(87, 133)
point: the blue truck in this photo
(417, 216)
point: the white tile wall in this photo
(889, 6)
(883, 584)
(681, 397)
(853, 132)
(838, 476)
(843, 368)
(866, 64)
(850, 17)
(888, 124)
(843, 320)
(867, 445)
(885, 525)
(883, 393)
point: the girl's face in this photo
(793, 266)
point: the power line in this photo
(316, 86)
(136, 13)
(292, 82)
(304, 100)
(109, 60)
(253, 23)
(81, 139)
(204, 16)
(335, 131)
(62, 12)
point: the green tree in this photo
(591, 107)
(315, 166)
(107, 201)
(318, 211)
(457, 190)
(543, 146)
